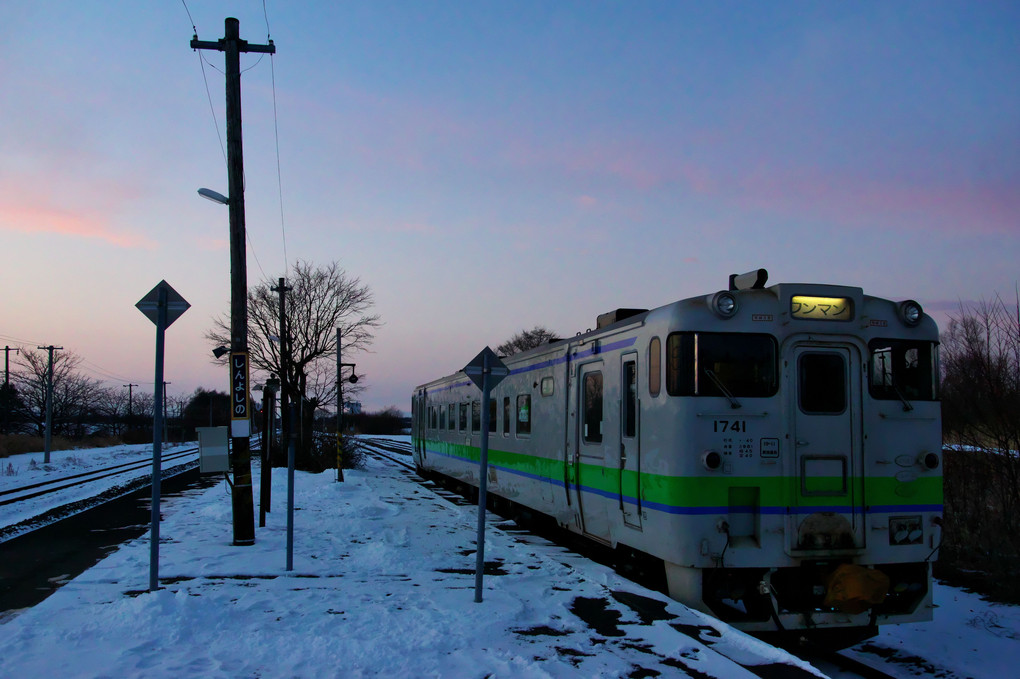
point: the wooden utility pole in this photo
(232, 46)
(7, 393)
(48, 441)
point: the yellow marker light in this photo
(822, 308)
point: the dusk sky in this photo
(486, 167)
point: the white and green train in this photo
(777, 448)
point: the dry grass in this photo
(17, 444)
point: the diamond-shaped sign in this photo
(486, 359)
(175, 304)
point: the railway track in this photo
(837, 664)
(33, 490)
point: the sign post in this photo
(163, 305)
(486, 371)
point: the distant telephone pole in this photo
(8, 397)
(232, 46)
(130, 388)
(49, 404)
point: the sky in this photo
(487, 167)
(383, 585)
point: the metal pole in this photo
(339, 411)
(483, 481)
(157, 444)
(290, 494)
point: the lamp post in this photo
(242, 503)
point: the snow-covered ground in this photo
(383, 585)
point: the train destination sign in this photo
(240, 409)
(822, 308)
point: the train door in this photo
(826, 384)
(630, 443)
(593, 487)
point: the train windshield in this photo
(714, 363)
(903, 370)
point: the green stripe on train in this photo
(707, 491)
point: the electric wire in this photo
(276, 134)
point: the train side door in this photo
(827, 436)
(629, 489)
(593, 488)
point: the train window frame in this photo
(593, 392)
(654, 367)
(524, 413)
(819, 397)
(630, 396)
(548, 385)
(911, 382)
(688, 353)
(506, 416)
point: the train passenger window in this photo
(432, 417)
(463, 423)
(822, 380)
(655, 366)
(492, 416)
(714, 363)
(442, 417)
(476, 417)
(452, 408)
(592, 408)
(506, 416)
(630, 399)
(547, 386)
(903, 369)
(524, 415)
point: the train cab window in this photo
(592, 408)
(476, 417)
(903, 369)
(822, 383)
(655, 366)
(714, 363)
(506, 416)
(524, 415)
(462, 424)
(492, 416)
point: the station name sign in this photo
(240, 406)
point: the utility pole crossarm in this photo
(242, 46)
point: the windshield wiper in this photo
(907, 407)
(734, 403)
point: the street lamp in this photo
(214, 196)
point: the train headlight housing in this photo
(712, 460)
(905, 530)
(724, 304)
(911, 312)
(928, 460)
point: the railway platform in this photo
(382, 584)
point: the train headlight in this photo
(911, 312)
(724, 304)
(928, 460)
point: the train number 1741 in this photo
(723, 426)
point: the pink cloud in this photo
(33, 218)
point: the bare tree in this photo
(322, 299)
(75, 396)
(526, 339)
(980, 361)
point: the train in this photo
(775, 451)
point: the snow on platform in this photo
(383, 584)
